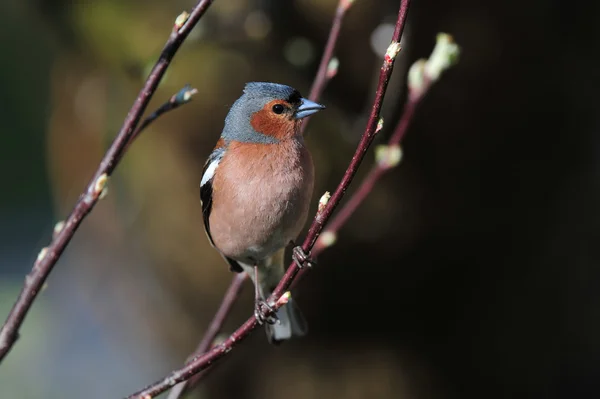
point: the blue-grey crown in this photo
(271, 91)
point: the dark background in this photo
(471, 271)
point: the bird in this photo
(255, 192)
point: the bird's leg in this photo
(260, 304)
(300, 257)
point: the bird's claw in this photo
(260, 308)
(301, 258)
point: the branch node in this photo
(181, 20)
(424, 72)
(41, 255)
(392, 51)
(58, 227)
(100, 184)
(388, 156)
(219, 339)
(323, 201)
(332, 67)
(285, 298)
(379, 125)
(184, 95)
(96, 190)
(444, 55)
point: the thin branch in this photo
(387, 161)
(48, 256)
(278, 298)
(183, 96)
(328, 67)
(213, 329)
(421, 76)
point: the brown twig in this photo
(328, 67)
(48, 256)
(422, 75)
(183, 96)
(278, 298)
(329, 235)
(213, 329)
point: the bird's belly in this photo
(262, 213)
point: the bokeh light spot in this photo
(299, 51)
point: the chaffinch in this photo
(256, 189)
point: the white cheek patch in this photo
(210, 171)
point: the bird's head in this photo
(267, 113)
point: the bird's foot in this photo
(260, 309)
(301, 258)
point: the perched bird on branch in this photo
(255, 191)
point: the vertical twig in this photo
(328, 65)
(48, 256)
(278, 298)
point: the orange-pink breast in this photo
(261, 196)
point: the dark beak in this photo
(307, 108)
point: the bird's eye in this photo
(278, 108)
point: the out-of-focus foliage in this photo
(470, 271)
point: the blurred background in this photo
(471, 270)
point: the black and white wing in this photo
(206, 189)
(206, 193)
